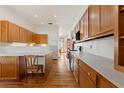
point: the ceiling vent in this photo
(50, 23)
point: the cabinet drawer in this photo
(90, 72)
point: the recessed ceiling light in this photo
(36, 15)
(56, 23)
(54, 15)
(42, 23)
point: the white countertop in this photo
(103, 66)
(23, 53)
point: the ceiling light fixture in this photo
(56, 23)
(54, 15)
(36, 15)
(42, 23)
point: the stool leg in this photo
(26, 75)
(37, 75)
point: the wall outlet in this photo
(91, 46)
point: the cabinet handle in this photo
(89, 74)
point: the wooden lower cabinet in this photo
(48, 64)
(10, 68)
(87, 77)
(76, 70)
(104, 83)
(84, 80)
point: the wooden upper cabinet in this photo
(0, 31)
(13, 33)
(106, 18)
(94, 16)
(85, 25)
(25, 35)
(21, 34)
(4, 31)
(81, 29)
(41, 38)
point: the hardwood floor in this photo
(59, 77)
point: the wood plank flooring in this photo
(59, 77)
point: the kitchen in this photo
(93, 34)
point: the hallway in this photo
(59, 77)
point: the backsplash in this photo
(103, 47)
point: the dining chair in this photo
(31, 66)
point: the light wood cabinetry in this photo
(13, 33)
(4, 31)
(22, 35)
(10, 32)
(91, 74)
(87, 77)
(81, 29)
(119, 37)
(85, 25)
(104, 83)
(106, 18)
(97, 21)
(76, 69)
(40, 38)
(84, 80)
(94, 19)
(11, 68)
(25, 35)
(48, 64)
(8, 68)
(0, 31)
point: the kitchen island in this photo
(12, 65)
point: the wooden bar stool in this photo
(31, 65)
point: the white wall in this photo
(102, 47)
(8, 14)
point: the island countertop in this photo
(103, 66)
(24, 53)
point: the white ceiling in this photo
(64, 16)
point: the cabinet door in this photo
(107, 18)
(4, 31)
(48, 64)
(22, 35)
(93, 20)
(81, 29)
(76, 70)
(41, 38)
(8, 68)
(84, 80)
(103, 83)
(85, 25)
(29, 36)
(0, 70)
(13, 34)
(0, 31)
